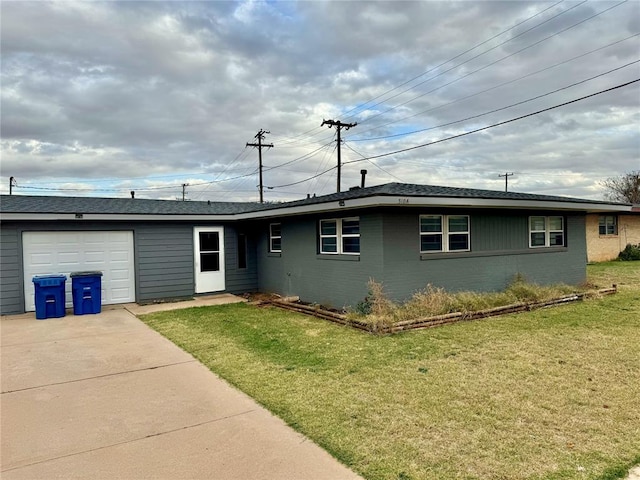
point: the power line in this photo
(143, 189)
(499, 109)
(465, 133)
(303, 157)
(472, 58)
(292, 139)
(497, 124)
(320, 166)
(305, 180)
(243, 153)
(484, 91)
(372, 163)
(489, 64)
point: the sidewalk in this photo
(104, 396)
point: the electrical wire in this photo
(360, 132)
(476, 56)
(496, 124)
(141, 189)
(448, 61)
(374, 164)
(489, 64)
(364, 158)
(305, 180)
(501, 108)
(316, 185)
(303, 157)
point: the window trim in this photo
(339, 236)
(614, 223)
(548, 232)
(445, 233)
(273, 237)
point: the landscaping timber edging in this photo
(436, 320)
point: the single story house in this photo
(608, 233)
(323, 249)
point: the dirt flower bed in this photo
(434, 306)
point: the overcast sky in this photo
(100, 98)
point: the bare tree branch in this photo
(625, 189)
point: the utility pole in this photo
(339, 126)
(12, 183)
(506, 179)
(260, 137)
(184, 186)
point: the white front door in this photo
(209, 258)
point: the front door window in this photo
(209, 251)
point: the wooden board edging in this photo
(436, 320)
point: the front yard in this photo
(547, 394)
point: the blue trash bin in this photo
(49, 296)
(86, 288)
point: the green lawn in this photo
(552, 394)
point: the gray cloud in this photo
(110, 96)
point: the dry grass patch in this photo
(378, 309)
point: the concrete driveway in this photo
(104, 396)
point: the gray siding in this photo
(240, 280)
(11, 286)
(332, 280)
(499, 251)
(390, 254)
(389, 246)
(164, 260)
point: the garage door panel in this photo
(120, 295)
(94, 256)
(66, 252)
(70, 241)
(41, 259)
(69, 258)
(120, 275)
(120, 256)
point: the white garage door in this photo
(111, 253)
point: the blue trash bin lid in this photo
(85, 274)
(37, 278)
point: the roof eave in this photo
(115, 217)
(338, 205)
(436, 201)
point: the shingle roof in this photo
(124, 206)
(412, 190)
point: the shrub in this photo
(376, 307)
(630, 252)
(381, 312)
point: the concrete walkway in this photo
(104, 396)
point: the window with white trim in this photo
(340, 236)
(275, 238)
(444, 233)
(608, 224)
(546, 231)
